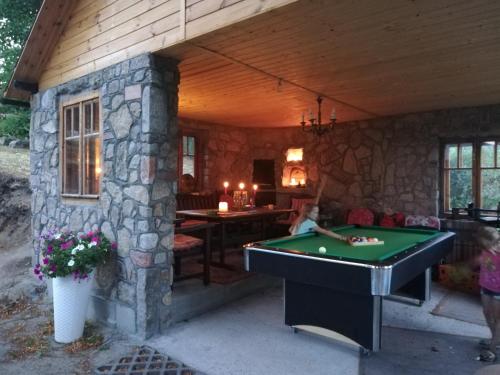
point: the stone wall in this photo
(390, 162)
(226, 153)
(137, 199)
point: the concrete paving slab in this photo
(249, 337)
(461, 306)
(421, 318)
(411, 352)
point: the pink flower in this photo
(50, 249)
(36, 271)
(45, 260)
(90, 234)
(114, 246)
(53, 268)
(67, 245)
(95, 239)
(40, 277)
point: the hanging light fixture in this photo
(315, 126)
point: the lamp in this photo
(315, 126)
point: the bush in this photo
(15, 124)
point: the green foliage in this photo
(14, 122)
(16, 18)
(461, 183)
(66, 253)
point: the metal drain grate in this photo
(145, 361)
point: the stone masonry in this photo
(390, 162)
(137, 198)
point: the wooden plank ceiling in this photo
(367, 58)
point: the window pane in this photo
(92, 165)
(191, 146)
(72, 161)
(490, 188)
(487, 154)
(466, 155)
(88, 117)
(460, 188)
(450, 156)
(96, 116)
(76, 121)
(67, 121)
(188, 165)
(184, 145)
(498, 155)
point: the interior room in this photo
(392, 121)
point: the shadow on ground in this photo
(411, 352)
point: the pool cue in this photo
(320, 189)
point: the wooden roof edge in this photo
(52, 16)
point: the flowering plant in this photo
(66, 253)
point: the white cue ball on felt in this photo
(322, 249)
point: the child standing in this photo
(489, 280)
(306, 222)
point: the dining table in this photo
(263, 215)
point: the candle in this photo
(241, 185)
(223, 207)
(226, 184)
(333, 116)
(293, 182)
(311, 116)
(255, 187)
(303, 116)
(303, 182)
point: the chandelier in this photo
(315, 126)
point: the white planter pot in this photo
(71, 299)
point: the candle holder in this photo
(240, 199)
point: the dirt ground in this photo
(26, 328)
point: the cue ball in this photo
(322, 249)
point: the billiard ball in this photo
(322, 249)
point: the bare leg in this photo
(487, 302)
(495, 332)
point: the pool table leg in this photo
(355, 316)
(417, 289)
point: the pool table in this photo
(342, 289)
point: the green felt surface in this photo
(395, 240)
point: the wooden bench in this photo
(186, 245)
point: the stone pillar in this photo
(140, 185)
(137, 200)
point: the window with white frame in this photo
(471, 173)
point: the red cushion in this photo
(183, 242)
(387, 221)
(393, 220)
(360, 216)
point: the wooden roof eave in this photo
(50, 23)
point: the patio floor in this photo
(249, 337)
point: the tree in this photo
(16, 18)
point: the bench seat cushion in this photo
(184, 242)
